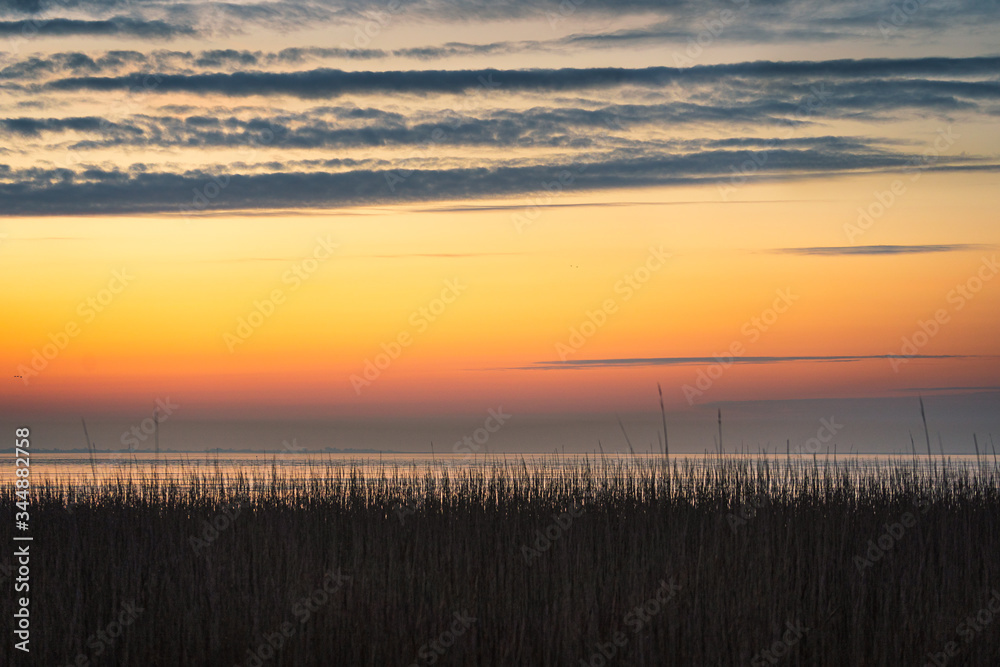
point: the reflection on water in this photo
(83, 469)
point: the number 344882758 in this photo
(22, 463)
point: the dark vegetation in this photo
(868, 565)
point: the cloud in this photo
(703, 361)
(296, 55)
(518, 207)
(620, 127)
(662, 16)
(592, 128)
(331, 83)
(973, 389)
(39, 191)
(34, 127)
(118, 25)
(832, 251)
(442, 255)
(652, 23)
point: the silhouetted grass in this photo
(753, 544)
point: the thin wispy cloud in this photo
(833, 251)
(972, 388)
(579, 364)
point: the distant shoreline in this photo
(616, 454)
(221, 450)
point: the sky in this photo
(380, 224)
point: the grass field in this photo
(738, 561)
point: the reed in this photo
(549, 559)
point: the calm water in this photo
(80, 469)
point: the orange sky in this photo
(684, 278)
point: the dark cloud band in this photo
(115, 26)
(330, 83)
